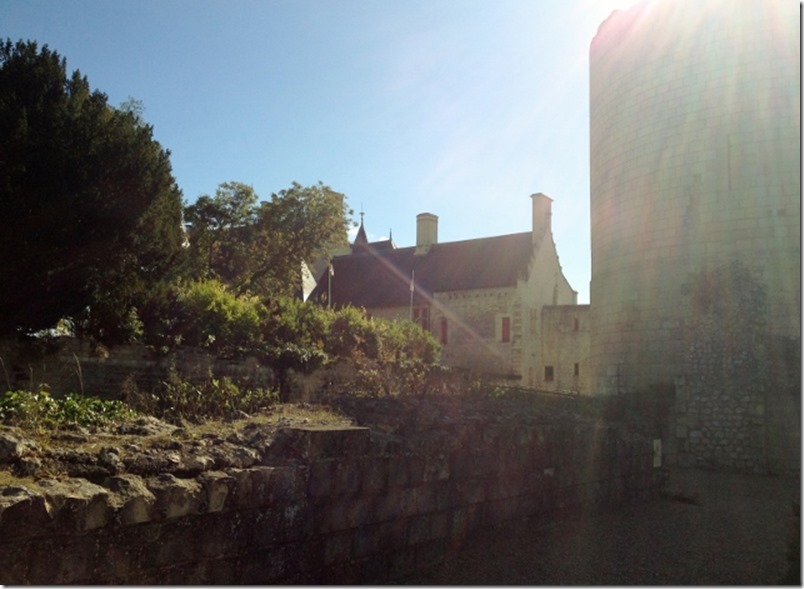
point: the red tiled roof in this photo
(373, 277)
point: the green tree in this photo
(90, 214)
(220, 230)
(296, 226)
(259, 247)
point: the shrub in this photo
(291, 320)
(380, 356)
(209, 316)
(352, 334)
(199, 399)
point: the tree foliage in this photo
(220, 225)
(259, 247)
(90, 214)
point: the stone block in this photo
(224, 534)
(347, 477)
(399, 470)
(251, 486)
(288, 484)
(190, 573)
(436, 468)
(303, 560)
(267, 527)
(440, 524)
(76, 504)
(175, 497)
(264, 566)
(23, 513)
(314, 443)
(371, 570)
(375, 474)
(322, 478)
(340, 513)
(401, 563)
(366, 541)
(63, 560)
(464, 520)
(469, 491)
(419, 529)
(338, 547)
(118, 557)
(508, 484)
(431, 553)
(17, 559)
(497, 513)
(425, 499)
(133, 501)
(394, 504)
(13, 447)
(408, 470)
(216, 486)
(297, 522)
(177, 544)
(588, 472)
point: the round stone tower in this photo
(695, 190)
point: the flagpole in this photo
(329, 285)
(412, 279)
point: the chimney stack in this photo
(426, 232)
(542, 205)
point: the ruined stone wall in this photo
(69, 365)
(346, 506)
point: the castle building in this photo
(695, 194)
(492, 302)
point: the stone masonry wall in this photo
(69, 365)
(343, 506)
(565, 348)
(738, 403)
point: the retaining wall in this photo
(343, 506)
(70, 365)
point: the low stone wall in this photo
(340, 506)
(69, 365)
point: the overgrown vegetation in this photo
(179, 398)
(35, 410)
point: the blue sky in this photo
(460, 108)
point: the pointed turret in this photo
(361, 240)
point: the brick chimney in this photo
(426, 232)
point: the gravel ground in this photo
(709, 529)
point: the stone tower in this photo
(696, 196)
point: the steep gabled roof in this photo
(380, 277)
